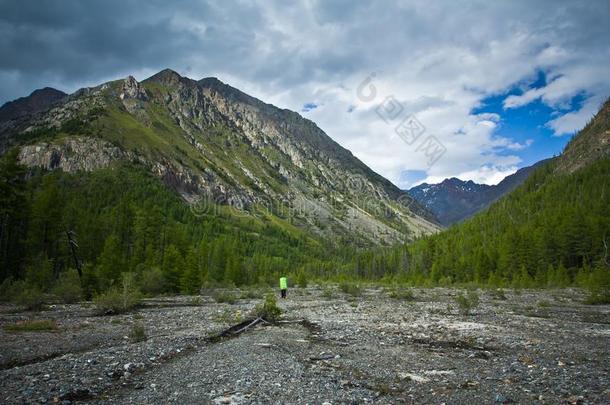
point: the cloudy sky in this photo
(479, 88)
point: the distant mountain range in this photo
(454, 200)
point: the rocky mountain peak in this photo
(207, 139)
(453, 200)
(39, 100)
(133, 89)
(167, 77)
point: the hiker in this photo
(283, 286)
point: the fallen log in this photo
(237, 329)
(254, 322)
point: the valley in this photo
(427, 181)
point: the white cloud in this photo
(483, 175)
(570, 122)
(438, 59)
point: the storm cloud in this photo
(439, 60)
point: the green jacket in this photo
(283, 283)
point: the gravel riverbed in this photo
(330, 347)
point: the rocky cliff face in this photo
(208, 140)
(71, 154)
(592, 143)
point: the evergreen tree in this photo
(173, 267)
(190, 281)
(110, 263)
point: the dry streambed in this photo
(533, 346)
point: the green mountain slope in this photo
(184, 182)
(125, 219)
(551, 230)
(207, 140)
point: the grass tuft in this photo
(351, 289)
(34, 325)
(137, 333)
(225, 297)
(401, 293)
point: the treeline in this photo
(123, 220)
(554, 230)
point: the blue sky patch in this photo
(529, 122)
(309, 106)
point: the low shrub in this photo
(229, 317)
(250, 293)
(351, 289)
(225, 297)
(598, 298)
(268, 309)
(117, 300)
(68, 288)
(7, 289)
(402, 293)
(137, 333)
(498, 294)
(152, 281)
(599, 286)
(301, 279)
(466, 303)
(30, 298)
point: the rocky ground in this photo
(331, 347)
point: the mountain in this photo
(206, 139)
(454, 200)
(591, 144)
(39, 100)
(451, 200)
(552, 230)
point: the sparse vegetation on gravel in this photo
(225, 297)
(118, 300)
(137, 333)
(268, 309)
(351, 289)
(34, 325)
(372, 347)
(467, 303)
(401, 293)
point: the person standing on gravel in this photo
(283, 286)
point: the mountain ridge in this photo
(37, 101)
(206, 139)
(453, 200)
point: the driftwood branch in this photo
(292, 321)
(254, 322)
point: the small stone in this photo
(501, 399)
